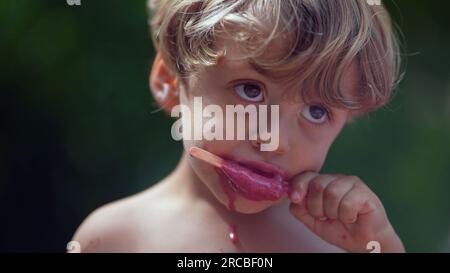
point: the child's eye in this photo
(315, 113)
(249, 91)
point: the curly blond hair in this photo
(320, 40)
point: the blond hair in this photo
(320, 40)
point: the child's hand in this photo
(343, 211)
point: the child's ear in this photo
(164, 85)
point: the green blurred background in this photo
(77, 127)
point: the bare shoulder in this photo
(123, 225)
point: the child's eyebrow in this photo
(242, 68)
(237, 67)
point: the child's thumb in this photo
(301, 213)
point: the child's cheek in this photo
(223, 147)
(307, 156)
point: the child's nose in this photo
(282, 140)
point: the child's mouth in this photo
(256, 181)
(253, 183)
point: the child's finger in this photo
(314, 199)
(334, 193)
(302, 214)
(299, 186)
(353, 203)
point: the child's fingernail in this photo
(295, 197)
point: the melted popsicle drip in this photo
(233, 234)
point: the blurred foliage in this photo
(78, 126)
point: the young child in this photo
(323, 62)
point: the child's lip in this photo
(266, 167)
(256, 180)
(261, 166)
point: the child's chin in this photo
(251, 210)
(246, 206)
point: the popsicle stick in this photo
(206, 156)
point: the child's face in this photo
(305, 131)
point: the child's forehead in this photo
(235, 56)
(261, 47)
